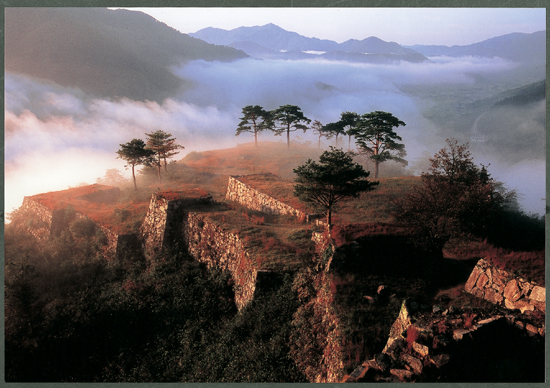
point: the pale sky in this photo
(406, 26)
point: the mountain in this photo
(270, 41)
(105, 53)
(269, 36)
(374, 45)
(517, 47)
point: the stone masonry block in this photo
(539, 294)
(472, 280)
(493, 296)
(482, 281)
(512, 290)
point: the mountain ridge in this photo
(276, 38)
(292, 41)
(515, 46)
(107, 53)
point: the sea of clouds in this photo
(57, 137)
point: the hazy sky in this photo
(406, 26)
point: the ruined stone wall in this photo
(249, 197)
(40, 223)
(164, 220)
(503, 288)
(332, 365)
(45, 222)
(210, 244)
(153, 228)
(442, 339)
(318, 313)
(119, 245)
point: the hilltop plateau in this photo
(274, 261)
(223, 255)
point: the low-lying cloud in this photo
(58, 137)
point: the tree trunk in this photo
(319, 145)
(256, 138)
(158, 168)
(329, 221)
(134, 176)
(376, 161)
(288, 138)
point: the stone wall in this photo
(40, 223)
(154, 226)
(161, 228)
(250, 198)
(169, 222)
(45, 222)
(426, 343)
(332, 368)
(504, 289)
(210, 244)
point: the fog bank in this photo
(57, 137)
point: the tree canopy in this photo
(334, 178)
(349, 122)
(164, 147)
(345, 126)
(290, 119)
(320, 130)
(336, 129)
(135, 153)
(255, 119)
(375, 137)
(455, 198)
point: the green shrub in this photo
(83, 228)
(121, 215)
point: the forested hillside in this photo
(103, 52)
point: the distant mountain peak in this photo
(272, 37)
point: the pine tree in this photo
(164, 147)
(375, 136)
(135, 153)
(255, 119)
(290, 118)
(334, 178)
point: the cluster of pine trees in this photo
(160, 147)
(373, 132)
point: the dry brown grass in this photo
(530, 265)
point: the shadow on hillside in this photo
(394, 256)
(498, 352)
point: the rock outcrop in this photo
(428, 344)
(504, 289)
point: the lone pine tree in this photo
(334, 178)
